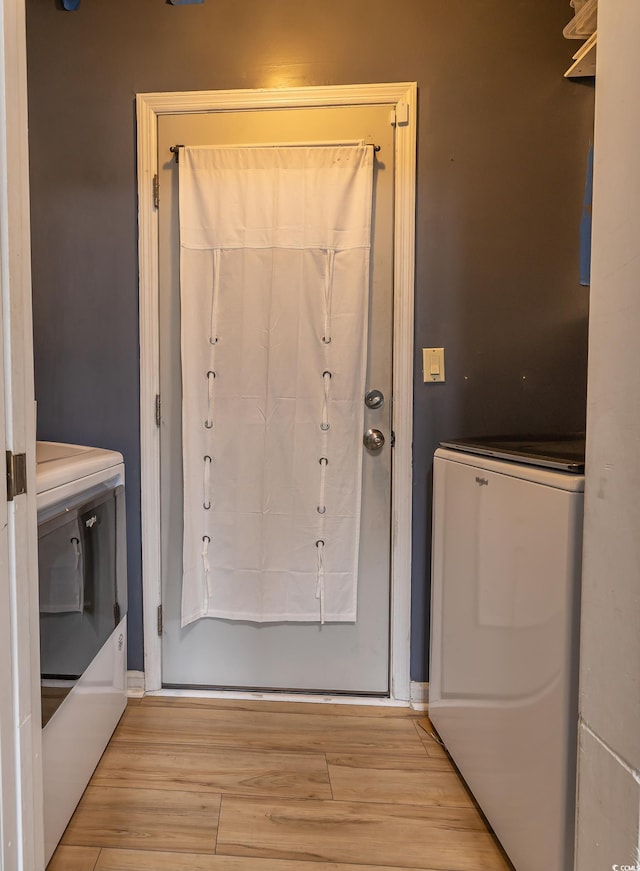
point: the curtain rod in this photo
(175, 149)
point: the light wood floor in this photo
(225, 785)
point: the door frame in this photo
(402, 101)
(21, 796)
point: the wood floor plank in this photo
(213, 770)
(141, 860)
(259, 730)
(406, 836)
(145, 819)
(422, 781)
(74, 859)
(267, 705)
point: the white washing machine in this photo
(83, 624)
(507, 542)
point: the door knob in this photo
(373, 440)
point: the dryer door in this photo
(80, 576)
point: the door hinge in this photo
(159, 619)
(116, 612)
(16, 475)
(393, 439)
(158, 409)
(156, 192)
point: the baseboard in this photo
(135, 684)
(419, 700)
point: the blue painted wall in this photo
(503, 140)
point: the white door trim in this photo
(21, 814)
(401, 97)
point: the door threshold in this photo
(281, 696)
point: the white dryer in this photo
(83, 624)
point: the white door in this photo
(334, 657)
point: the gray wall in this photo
(503, 140)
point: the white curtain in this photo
(275, 246)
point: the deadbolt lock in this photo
(374, 399)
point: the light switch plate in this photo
(433, 364)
